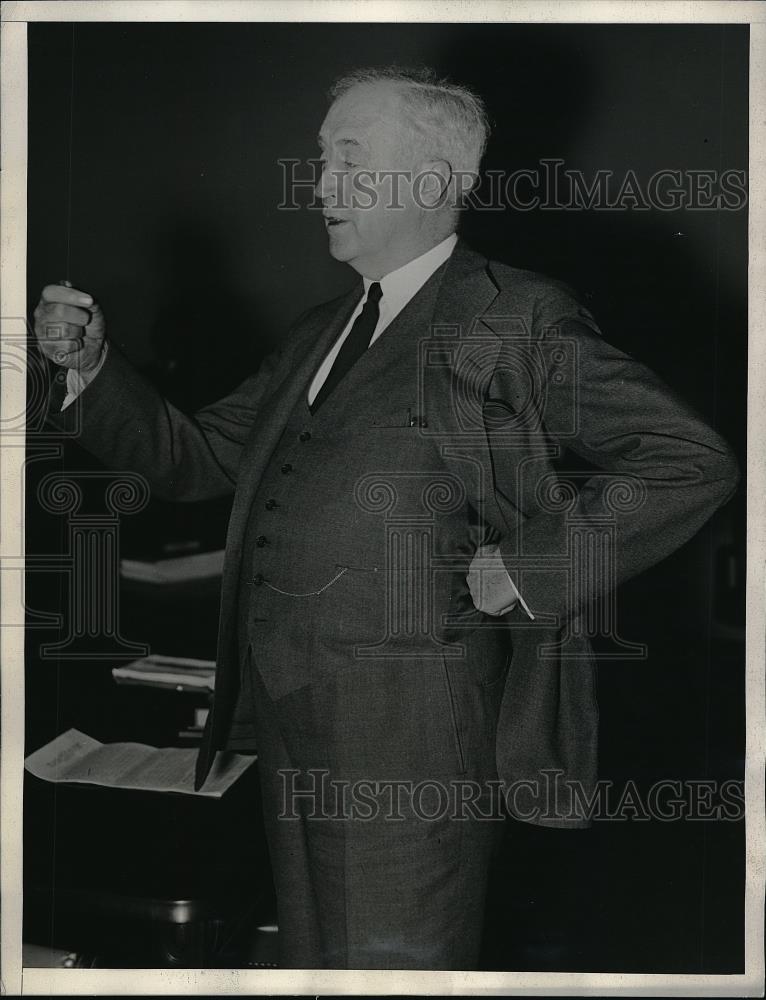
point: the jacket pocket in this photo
(454, 718)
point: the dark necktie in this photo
(354, 346)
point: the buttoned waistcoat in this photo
(353, 579)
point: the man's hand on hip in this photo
(70, 328)
(491, 587)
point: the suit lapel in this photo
(467, 290)
(278, 406)
(462, 336)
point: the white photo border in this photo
(14, 980)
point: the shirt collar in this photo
(399, 286)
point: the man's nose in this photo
(329, 187)
(322, 188)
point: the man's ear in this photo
(432, 183)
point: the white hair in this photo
(449, 121)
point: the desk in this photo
(141, 879)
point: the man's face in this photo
(361, 139)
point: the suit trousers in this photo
(367, 875)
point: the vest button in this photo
(261, 540)
(270, 504)
(304, 436)
(258, 579)
(286, 469)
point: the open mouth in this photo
(334, 220)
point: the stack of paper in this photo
(177, 672)
(76, 758)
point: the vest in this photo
(359, 538)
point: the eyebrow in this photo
(341, 142)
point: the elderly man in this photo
(402, 604)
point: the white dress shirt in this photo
(398, 287)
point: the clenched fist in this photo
(70, 328)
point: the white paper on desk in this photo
(76, 758)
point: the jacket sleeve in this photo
(660, 470)
(126, 423)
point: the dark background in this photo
(154, 185)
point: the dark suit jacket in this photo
(520, 375)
